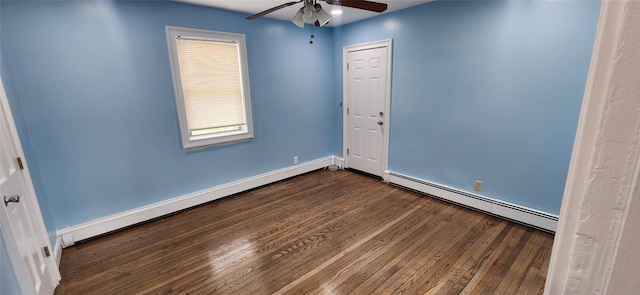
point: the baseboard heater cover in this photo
(520, 214)
(70, 235)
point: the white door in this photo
(367, 96)
(20, 218)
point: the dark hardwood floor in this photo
(320, 233)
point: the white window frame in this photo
(198, 141)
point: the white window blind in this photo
(212, 85)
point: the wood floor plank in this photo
(486, 262)
(424, 248)
(307, 241)
(517, 272)
(351, 248)
(431, 265)
(471, 258)
(324, 232)
(286, 260)
(496, 274)
(348, 271)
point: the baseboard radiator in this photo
(70, 235)
(520, 214)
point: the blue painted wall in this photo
(8, 281)
(94, 83)
(484, 90)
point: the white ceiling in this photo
(349, 14)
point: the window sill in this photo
(200, 142)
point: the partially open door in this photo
(21, 220)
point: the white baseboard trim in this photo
(517, 213)
(68, 236)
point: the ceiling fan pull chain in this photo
(312, 36)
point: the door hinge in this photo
(46, 251)
(347, 151)
(20, 165)
(347, 110)
(347, 66)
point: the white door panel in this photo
(22, 226)
(366, 95)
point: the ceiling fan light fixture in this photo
(297, 19)
(310, 14)
(323, 16)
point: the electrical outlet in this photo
(295, 160)
(477, 186)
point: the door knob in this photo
(380, 123)
(12, 199)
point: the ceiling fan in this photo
(312, 12)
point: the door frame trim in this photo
(388, 43)
(33, 208)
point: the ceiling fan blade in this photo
(360, 4)
(270, 10)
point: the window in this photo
(211, 85)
